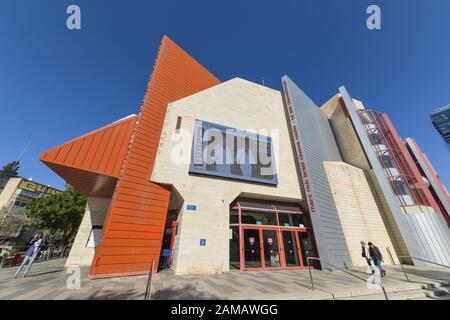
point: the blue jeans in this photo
(378, 265)
(27, 260)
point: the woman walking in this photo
(32, 252)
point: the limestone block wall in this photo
(238, 104)
(346, 138)
(388, 218)
(8, 191)
(358, 211)
(80, 254)
(353, 154)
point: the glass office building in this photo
(441, 121)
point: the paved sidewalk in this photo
(47, 280)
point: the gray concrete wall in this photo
(315, 144)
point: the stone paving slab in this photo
(47, 280)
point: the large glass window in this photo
(234, 217)
(400, 187)
(259, 218)
(292, 220)
(234, 248)
(387, 161)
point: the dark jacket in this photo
(375, 253)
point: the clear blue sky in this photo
(57, 84)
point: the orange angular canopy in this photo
(92, 163)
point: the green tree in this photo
(60, 214)
(11, 169)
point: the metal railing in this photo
(148, 289)
(423, 260)
(13, 256)
(340, 269)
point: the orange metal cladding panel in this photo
(135, 221)
(92, 163)
(87, 183)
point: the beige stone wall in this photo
(352, 153)
(80, 255)
(237, 104)
(8, 191)
(358, 211)
(346, 137)
(386, 214)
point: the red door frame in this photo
(298, 246)
(261, 247)
(280, 242)
(278, 229)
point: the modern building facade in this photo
(15, 197)
(441, 121)
(431, 178)
(213, 176)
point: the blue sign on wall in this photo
(232, 153)
(202, 242)
(191, 207)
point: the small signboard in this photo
(301, 225)
(269, 240)
(251, 240)
(202, 242)
(258, 222)
(191, 207)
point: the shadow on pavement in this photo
(42, 273)
(187, 292)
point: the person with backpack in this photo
(377, 258)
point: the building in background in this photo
(441, 121)
(431, 178)
(15, 197)
(304, 181)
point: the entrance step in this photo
(439, 291)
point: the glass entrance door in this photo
(268, 248)
(291, 252)
(252, 249)
(271, 252)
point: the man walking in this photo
(377, 258)
(366, 254)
